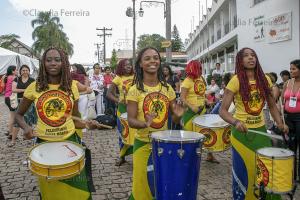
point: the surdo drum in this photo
(216, 131)
(176, 158)
(56, 160)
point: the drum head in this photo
(177, 136)
(275, 152)
(210, 121)
(56, 153)
(124, 116)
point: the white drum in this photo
(57, 160)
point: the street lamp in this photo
(151, 3)
(167, 15)
(130, 12)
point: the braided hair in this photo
(139, 73)
(121, 68)
(65, 80)
(262, 84)
(193, 69)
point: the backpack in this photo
(109, 120)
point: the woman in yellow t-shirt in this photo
(148, 103)
(122, 82)
(193, 93)
(55, 97)
(249, 89)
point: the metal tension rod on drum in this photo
(266, 134)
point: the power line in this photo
(104, 29)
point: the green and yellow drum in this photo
(127, 132)
(216, 131)
(274, 169)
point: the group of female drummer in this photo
(148, 100)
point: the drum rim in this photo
(280, 157)
(59, 165)
(167, 140)
(209, 126)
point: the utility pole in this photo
(104, 36)
(98, 53)
(168, 30)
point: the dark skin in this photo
(150, 63)
(53, 66)
(249, 62)
(112, 90)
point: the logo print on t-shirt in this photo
(255, 103)
(53, 106)
(199, 87)
(126, 85)
(158, 104)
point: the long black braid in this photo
(139, 73)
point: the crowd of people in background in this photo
(106, 91)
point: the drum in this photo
(127, 132)
(176, 159)
(56, 160)
(274, 169)
(216, 131)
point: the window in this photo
(257, 2)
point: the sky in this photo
(16, 17)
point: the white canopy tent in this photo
(8, 58)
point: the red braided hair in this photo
(261, 82)
(193, 69)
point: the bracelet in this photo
(235, 122)
(200, 108)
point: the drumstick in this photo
(266, 134)
(98, 124)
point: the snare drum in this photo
(274, 168)
(56, 160)
(127, 132)
(176, 159)
(216, 131)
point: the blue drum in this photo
(176, 158)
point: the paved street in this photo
(111, 182)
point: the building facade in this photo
(270, 27)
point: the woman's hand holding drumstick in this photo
(91, 124)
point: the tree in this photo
(177, 44)
(113, 60)
(6, 40)
(48, 32)
(153, 40)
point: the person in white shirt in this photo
(97, 85)
(218, 70)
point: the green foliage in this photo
(177, 45)
(49, 32)
(113, 60)
(153, 40)
(6, 40)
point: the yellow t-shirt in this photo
(196, 91)
(153, 100)
(248, 112)
(123, 83)
(54, 109)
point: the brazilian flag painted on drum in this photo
(244, 147)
